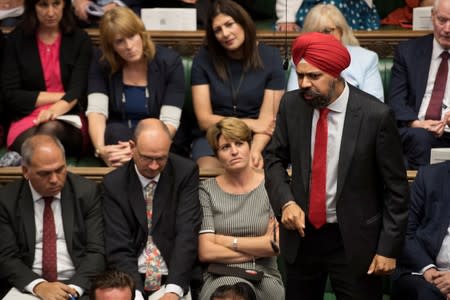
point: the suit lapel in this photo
(422, 70)
(162, 193)
(67, 214)
(352, 124)
(136, 197)
(305, 128)
(26, 212)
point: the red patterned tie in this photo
(49, 243)
(317, 198)
(434, 109)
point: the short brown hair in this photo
(232, 129)
(113, 279)
(122, 20)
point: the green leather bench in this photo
(385, 65)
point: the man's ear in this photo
(132, 145)
(25, 172)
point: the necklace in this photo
(235, 91)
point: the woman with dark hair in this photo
(238, 228)
(131, 79)
(234, 75)
(44, 78)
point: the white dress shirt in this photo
(142, 267)
(435, 62)
(64, 265)
(336, 118)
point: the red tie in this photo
(317, 212)
(434, 109)
(49, 243)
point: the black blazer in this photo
(372, 189)
(23, 78)
(175, 225)
(165, 83)
(409, 78)
(429, 218)
(2, 45)
(83, 230)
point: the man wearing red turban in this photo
(343, 212)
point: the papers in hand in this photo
(94, 9)
(73, 120)
(11, 13)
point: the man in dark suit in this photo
(414, 85)
(343, 212)
(424, 266)
(76, 221)
(173, 214)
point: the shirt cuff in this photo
(30, 287)
(138, 295)
(427, 268)
(173, 288)
(79, 290)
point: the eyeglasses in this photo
(150, 159)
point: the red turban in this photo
(323, 51)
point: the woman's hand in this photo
(256, 159)
(45, 115)
(115, 155)
(287, 26)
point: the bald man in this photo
(343, 212)
(152, 233)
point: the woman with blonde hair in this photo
(238, 228)
(363, 71)
(129, 80)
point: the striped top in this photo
(234, 214)
(239, 215)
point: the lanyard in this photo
(235, 91)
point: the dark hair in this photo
(30, 21)
(113, 279)
(238, 291)
(251, 58)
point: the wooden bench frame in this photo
(9, 174)
(187, 43)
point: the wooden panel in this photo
(187, 42)
(9, 174)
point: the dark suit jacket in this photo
(83, 230)
(372, 190)
(429, 218)
(409, 78)
(175, 225)
(23, 78)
